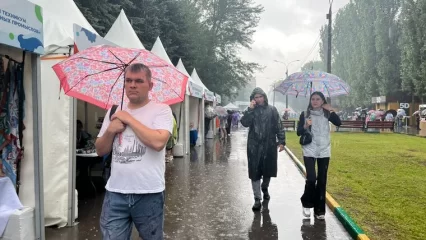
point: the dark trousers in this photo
(315, 188)
(206, 126)
(228, 129)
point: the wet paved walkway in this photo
(210, 197)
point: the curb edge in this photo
(353, 229)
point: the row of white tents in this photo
(59, 112)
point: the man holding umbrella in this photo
(137, 136)
(264, 123)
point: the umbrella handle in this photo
(122, 94)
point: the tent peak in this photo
(182, 68)
(123, 34)
(59, 17)
(197, 79)
(159, 50)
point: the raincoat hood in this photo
(258, 90)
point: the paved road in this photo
(209, 196)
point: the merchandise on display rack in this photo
(21, 176)
(12, 98)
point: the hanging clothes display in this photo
(12, 98)
(4, 139)
(4, 94)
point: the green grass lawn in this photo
(380, 180)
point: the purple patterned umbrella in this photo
(307, 82)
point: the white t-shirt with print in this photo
(136, 168)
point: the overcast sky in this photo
(287, 31)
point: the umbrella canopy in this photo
(221, 111)
(401, 112)
(95, 75)
(209, 112)
(289, 110)
(231, 106)
(393, 112)
(379, 113)
(307, 82)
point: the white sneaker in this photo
(320, 217)
(307, 212)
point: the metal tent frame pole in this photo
(38, 148)
(72, 163)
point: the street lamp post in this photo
(286, 74)
(273, 85)
(273, 103)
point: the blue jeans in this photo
(146, 211)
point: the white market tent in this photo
(158, 49)
(181, 67)
(231, 106)
(58, 114)
(122, 33)
(31, 170)
(179, 109)
(209, 98)
(28, 221)
(197, 79)
(208, 95)
(58, 19)
(83, 42)
(218, 99)
(194, 104)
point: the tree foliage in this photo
(412, 45)
(368, 49)
(229, 26)
(315, 66)
(206, 34)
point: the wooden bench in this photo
(380, 125)
(351, 124)
(289, 124)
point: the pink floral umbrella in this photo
(95, 75)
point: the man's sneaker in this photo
(257, 205)
(320, 217)
(266, 195)
(307, 212)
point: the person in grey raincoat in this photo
(264, 123)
